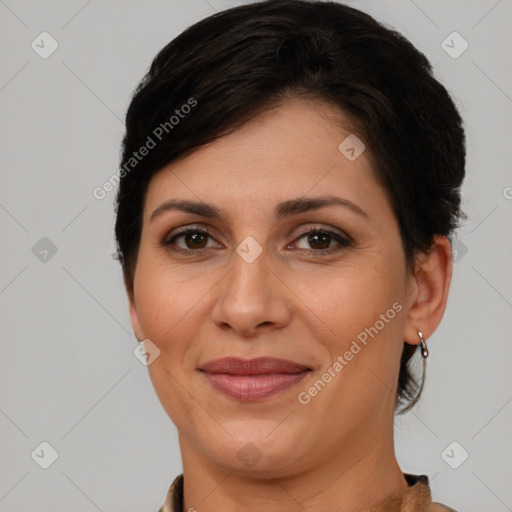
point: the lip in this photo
(253, 379)
(256, 366)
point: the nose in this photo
(251, 298)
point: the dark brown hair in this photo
(240, 62)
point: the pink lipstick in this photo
(253, 379)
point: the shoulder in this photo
(420, 490)
(174, 499)
(439, 507)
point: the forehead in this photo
(291, 151)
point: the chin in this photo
(257, 450)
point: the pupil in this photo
(316, 236)
(195, 238)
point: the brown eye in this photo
(320, 240)
(193, 239)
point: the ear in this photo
(429, 290)
(134, 316)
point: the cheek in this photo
(164, 310)
(168, 309)
(354, 299)
(160, 300)
(365, 312)
(170, 302)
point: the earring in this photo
(424, 350)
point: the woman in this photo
(289, 185)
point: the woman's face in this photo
(259, 284)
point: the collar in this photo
(414, 498)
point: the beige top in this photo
(415, 498)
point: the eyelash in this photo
(343, 242)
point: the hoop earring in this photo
(424, 350)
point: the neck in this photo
(357, 479)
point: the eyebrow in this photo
(282, 210)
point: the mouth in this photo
(253, 379)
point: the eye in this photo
(320, 240)
(194, 239)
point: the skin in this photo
(288, 303)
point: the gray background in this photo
(68, 375)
